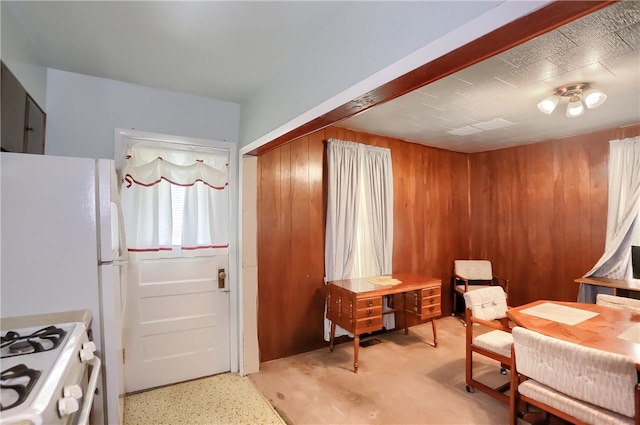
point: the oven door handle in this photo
(96, 364)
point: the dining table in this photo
(590, 325)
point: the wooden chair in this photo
(622, 303)
(487, 309)
(469, 275)
(579, 384)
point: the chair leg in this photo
(453, 309)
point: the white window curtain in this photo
(359, 231)
(175, 203)
(622, 216)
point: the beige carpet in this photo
(402, 380)
(222, 399)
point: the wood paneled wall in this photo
(431, 227)
(539, 212)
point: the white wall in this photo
(83, 111)
(373, 44)
(20, 58)
(249, 266)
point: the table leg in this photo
(356, 345)
(404, 308)
(333, 333)
(435, 335)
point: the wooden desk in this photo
(356, 305)
(629, 285)
(602, 331)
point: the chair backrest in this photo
(598, 377)
(622, 303)
(487, 303)
(473, 269)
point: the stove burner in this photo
(21, 347)
(45, 339)
(16, 384)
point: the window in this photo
(175, 200)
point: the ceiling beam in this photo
(504, 38)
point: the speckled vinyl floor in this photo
(222, 399)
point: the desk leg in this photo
(435, 335)
(333, 333)
(404, 309)
(356, 345)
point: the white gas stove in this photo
(49, 375)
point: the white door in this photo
(177, 321)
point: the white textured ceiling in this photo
(230, 50)
(493, 104)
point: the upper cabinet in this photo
(22, 120)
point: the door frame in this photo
(121, 134)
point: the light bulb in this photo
(594, 98)
(547, 105)
(575, 108)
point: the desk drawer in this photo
(369, 312)
(429, 311)
(365, 303)
(425, 303)
(431, 292)
(368, 324)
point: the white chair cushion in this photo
(496, 341)
(597, 377)
(487, 304)
(584, 411)
(622, 303)
(473, 269)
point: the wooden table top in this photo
(409, 282)
(610, 329)
(631, 285)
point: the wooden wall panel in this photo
(538, 212)
(431, 223)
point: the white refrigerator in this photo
(62, 248)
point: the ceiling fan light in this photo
(594, 98)
(547, 105)
(575, 108)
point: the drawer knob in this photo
(369, 303)
(431, 300)
(431, 292)
(369, 312)
(369, 322)
(431, 308)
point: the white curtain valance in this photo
(147, 167)
(176, 203)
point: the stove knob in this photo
(87, 350)
(67, 405)
(74, 391)
(86, 354)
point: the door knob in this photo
(221, 277)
